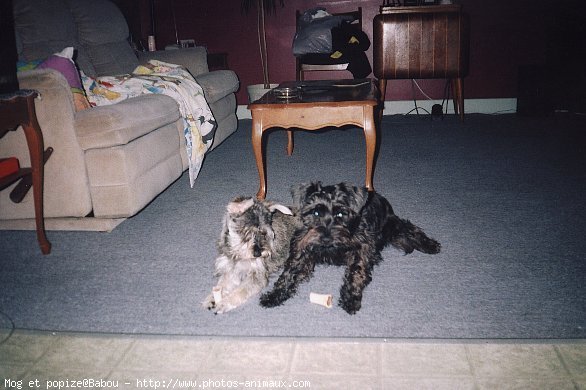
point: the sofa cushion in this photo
(194, 59)
(126, 178)
(218, 84)
(120, 123)
(103, 34)
(37, 41)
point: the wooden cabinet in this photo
(424, 42)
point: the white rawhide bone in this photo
(217, 294)
(321, 299)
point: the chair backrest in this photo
(356, 17)
(301, 67)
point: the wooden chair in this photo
(302, 67)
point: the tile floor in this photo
(46, 360)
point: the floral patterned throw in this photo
(171, 80)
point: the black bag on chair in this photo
(349, 46)
(331, 41)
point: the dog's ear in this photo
(301, 192)
(279, 207)
(358, 198)
(239, 205)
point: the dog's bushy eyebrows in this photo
(341, 193)
(254, 216)
(354, 197)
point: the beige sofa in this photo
(108, 162)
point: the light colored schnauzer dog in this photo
(254, 244)
(348, 226)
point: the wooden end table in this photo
(18, 109)
(321, 103)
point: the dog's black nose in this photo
(326, 239)
(256, 251)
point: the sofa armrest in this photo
(119, 124)
(66, 191)
(48, 82)
(193, 58)
(218, 84)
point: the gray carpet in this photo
(504, 195)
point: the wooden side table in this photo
(423, 42)
(320, 104)
(18, 109)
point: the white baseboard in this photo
(471, 106)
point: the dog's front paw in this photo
(350, 304)
(209, 303)
(272, 299)
(223, 307)
(430, 246)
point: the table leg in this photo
(370, 137)
(382, 88)
(457, 87)
(257, 131)
(34, 139)
(460, 86)
(290, 142)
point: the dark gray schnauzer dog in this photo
(253, 244)
(348, 226)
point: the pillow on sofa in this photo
(63, 63)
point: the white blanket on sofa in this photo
(171, 80)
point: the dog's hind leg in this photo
(237, 297)
(297, 269)
(358, 275)
(407, 237)
(227, 282)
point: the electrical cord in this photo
(417, 108)
(421, 90)
(414, 98)
(446, 98)
(445, 101)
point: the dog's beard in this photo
(320, 236)
(246, 240)
(239, 268)
(326, 245)
(251, 248)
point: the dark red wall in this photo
(505, 34)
